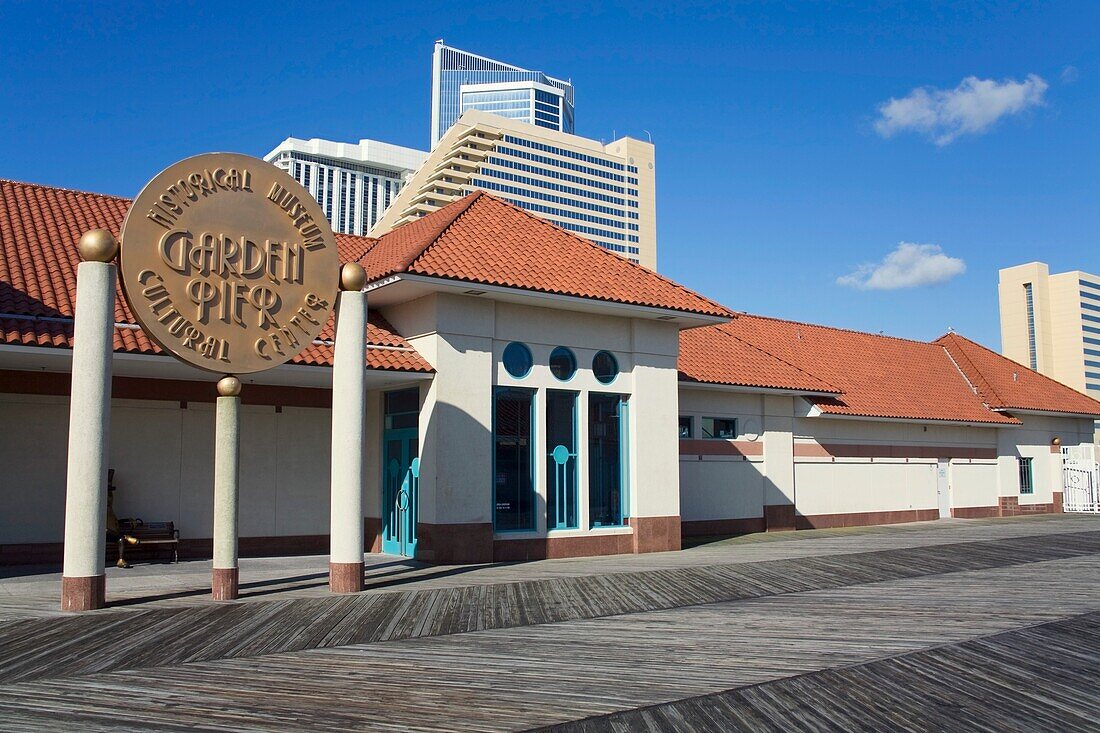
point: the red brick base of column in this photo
(225, 584)
(779, 517)
(345, 577)
(83, 594)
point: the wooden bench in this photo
(152, 536)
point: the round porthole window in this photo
(517, 360)
(605, 367)
(563, 364)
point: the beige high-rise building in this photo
(604, 193)
(1051, 323)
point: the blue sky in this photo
(778, 171)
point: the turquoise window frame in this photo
(567, 352)
(615, 363)
(1027, 475)
(552, 523)
(623, 419)
(526, 351)
(532, 460)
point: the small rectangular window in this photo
(608, 478)
(719, 428)
(685, 426)
(514, 440)
(1027, 485)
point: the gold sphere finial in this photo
(352, 276)
(1056, 442)
(229, 386)
(97, 245)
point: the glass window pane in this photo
(719, 428)
(514, 493)
(605, 367)
(1026, 478)
(685, 426)
(563, 364)
(605, 460)
(517, 360)
(561, 460)
(405, 400)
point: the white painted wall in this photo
(721, 487)
(973, 483)
(729, 487)
(654, 446)
(871, 432)
(858, 485)
(163, 461)
(1033, 440)
(32, 468)
(716, 486)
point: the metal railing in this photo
(1080, 479)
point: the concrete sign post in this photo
(229, 265)
(83, 582)
(348, 433)
(227, 457)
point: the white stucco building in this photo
(530, 395)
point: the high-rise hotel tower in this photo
(1051, 323)
(604, 193)
(462, 81)
(354, 183)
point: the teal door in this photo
(401, 493)
(400, 473)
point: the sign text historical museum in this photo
(228, 263)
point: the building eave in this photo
(17, 357)
(816, 412)
(1051, 413)
(746, 389)
(403, 287)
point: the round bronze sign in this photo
(228, 263)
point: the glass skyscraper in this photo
(463, 81)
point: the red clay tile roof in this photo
(39, 228)
(715, 355)
(878, 376)
(482, 239)
(1004, 384)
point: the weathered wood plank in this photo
(525, 676)
(97, 642)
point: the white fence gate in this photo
(1080, 479)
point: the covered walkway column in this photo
(225, 578)
(349, 401)
(83, 582)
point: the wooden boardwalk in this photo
(262, 579)
(1041, 678)
(817, 642)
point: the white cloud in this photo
(971, 107)
(908, 266)
(1070, 74)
